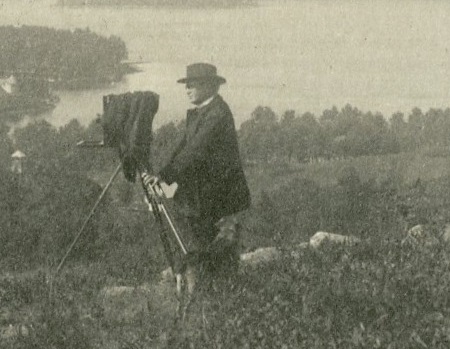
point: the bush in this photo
(298, 209)
(375, 295)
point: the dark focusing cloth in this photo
(127, 126)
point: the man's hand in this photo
(150, 180)
(160, 187)
(155, 183)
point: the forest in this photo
(343, 133)
(69, 59)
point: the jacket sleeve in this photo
(178, 148)
(166, 174)
(196, 149)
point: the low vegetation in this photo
(377, 294)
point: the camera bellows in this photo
(127, 126)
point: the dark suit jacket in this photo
(207, 166)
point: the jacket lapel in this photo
(195, 117)
(191, 123)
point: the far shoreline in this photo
(159, 4)
(96, 82)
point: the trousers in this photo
(198, 232)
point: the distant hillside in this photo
(69, 59)
(159, 3)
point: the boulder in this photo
(260, 255)
(320, 237)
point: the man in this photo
(206, 164)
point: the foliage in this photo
(6, 145)
(366, 197)
(343, 133)
(72, 59)
(299, 208)
(378, 294)
(375, 295)
(165, 141)
(43, 209)
(259, 135)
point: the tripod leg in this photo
(88, 218)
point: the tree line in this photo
(264, 137)
(348, 132)
(69, 58)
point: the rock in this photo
(13, 331)
(320, 237)
(446, 233)
(167, 276)
(419, 235)
(260, 255)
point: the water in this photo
(306, 55)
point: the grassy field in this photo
(378, 294)
(404, 168)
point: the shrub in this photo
(375, 295)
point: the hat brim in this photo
(219, 79)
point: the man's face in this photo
(199, 91)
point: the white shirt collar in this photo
(205, 103)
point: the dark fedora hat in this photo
(201, 71)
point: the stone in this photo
(167, 276)
(260, 255)
(13, 331)
(446, 233)
(321, 237)
(419, 235)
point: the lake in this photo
(382, 55)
